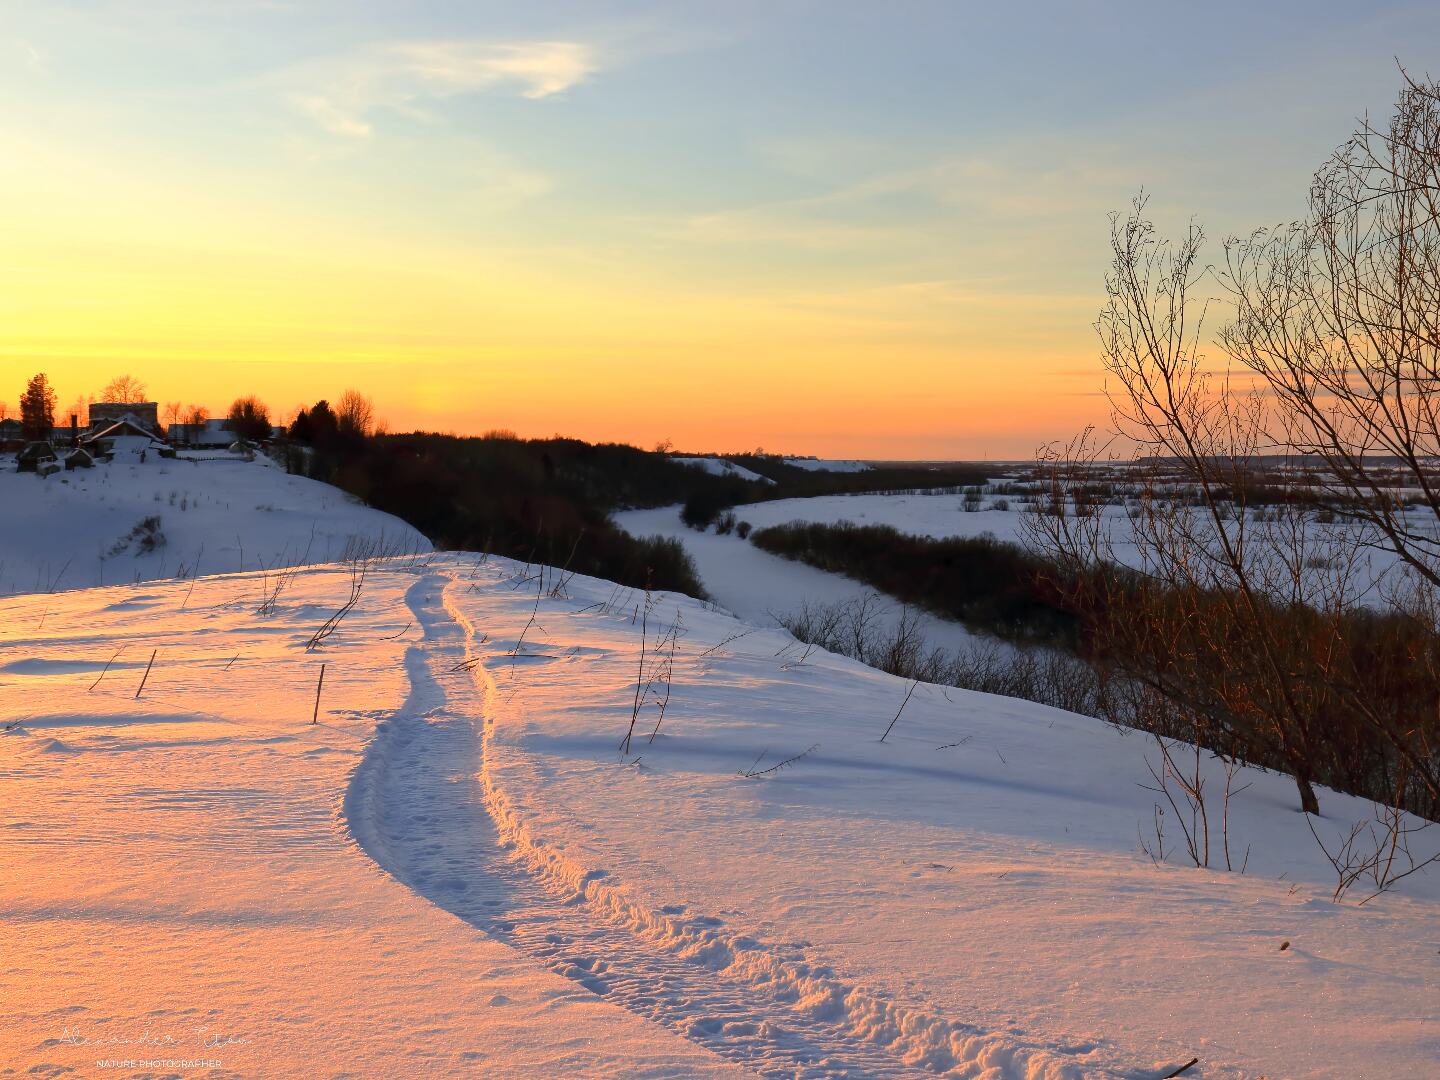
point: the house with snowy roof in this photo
(144, 414)
(211, 434)
(35, 457)
(127, 437)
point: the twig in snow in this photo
(640, 677)
(793, 663)
(728, 640)
(315, 716)
(194, 572)
(466, 665)
(146, 676)
(558, 590)
(106, 669)
(780, 764)
(666, 674)
(539, 592)
(357, 583)
(1182, 1070)
(55, 581)
(951, 745)
(913, 685)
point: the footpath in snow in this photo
(456, 871)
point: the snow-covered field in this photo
(827, 464)
(72, 530)
(937, 516)
(455, 872)
(740, 578)
(761, 588)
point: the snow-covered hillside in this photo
(721, 467)
(218, 514)
(455, 872)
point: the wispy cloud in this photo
(25, 51)
(539, 68)
(342, 94)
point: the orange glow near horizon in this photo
(463, 344)
(119, 262)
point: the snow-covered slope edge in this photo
(86, 528)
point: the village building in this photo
(145, 414)
(33, 456)
(212, 434)
(127, 437)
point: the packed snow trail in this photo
(418, 807)
(424, 807)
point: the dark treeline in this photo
(547, 500)
(980, 581)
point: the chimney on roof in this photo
(74, 429)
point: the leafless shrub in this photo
(358, 570)
(857, 629)
(146, 537)
(1179, 777)
(655, 675)
(557, 590)
(1380, 852)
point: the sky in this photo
(844, 229)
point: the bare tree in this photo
(1247, 622)
(125, 389)
(1200, 608)
(355, 414)
(1339, 315)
